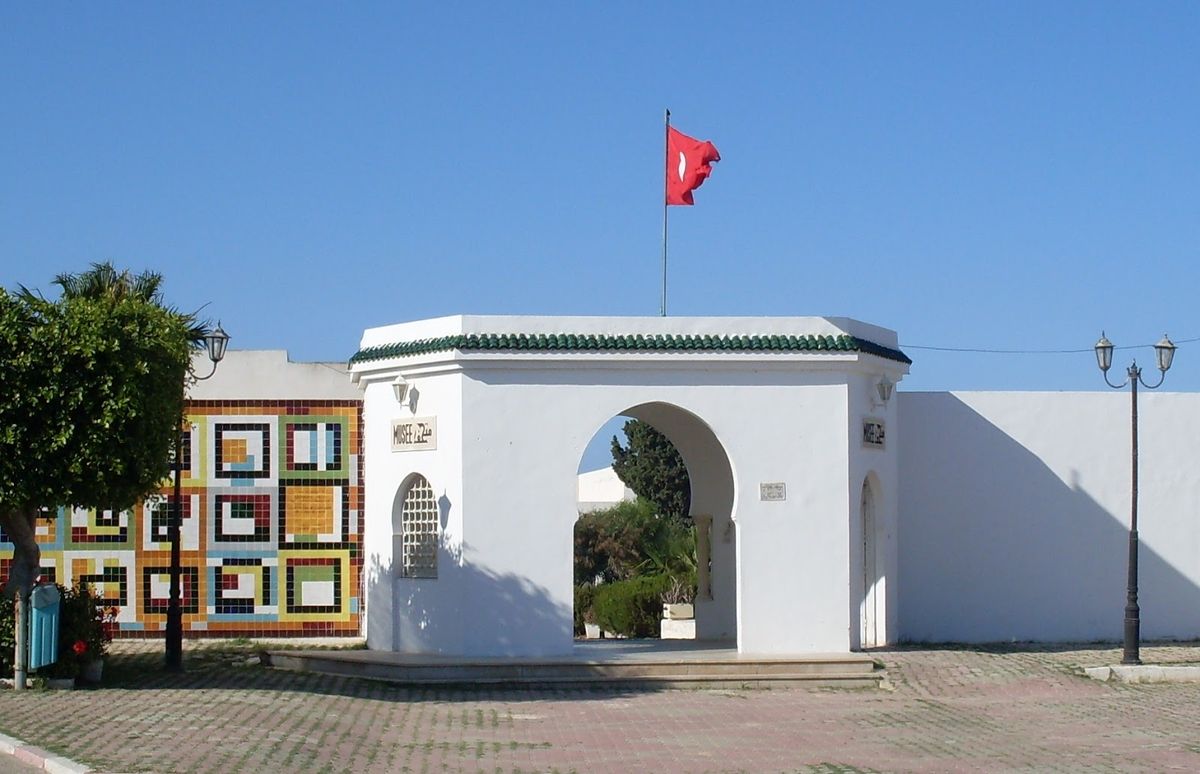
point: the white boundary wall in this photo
(1014, 515)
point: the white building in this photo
(599, 489)
(471, 475)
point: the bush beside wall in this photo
(631, 608)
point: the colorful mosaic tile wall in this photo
(271, 534)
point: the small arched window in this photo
(416, 544)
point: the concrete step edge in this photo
(828, 678)
(743, 668)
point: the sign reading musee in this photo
(416, 434)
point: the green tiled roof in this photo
(599, 342)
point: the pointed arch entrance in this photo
(710, 476)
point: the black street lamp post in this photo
(215, 343)
(1164, 353)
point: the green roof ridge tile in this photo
(657, 342)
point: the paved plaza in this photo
(953, 709)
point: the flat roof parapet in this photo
(665, 335)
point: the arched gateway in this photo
(473, 427)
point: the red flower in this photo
(80, 647)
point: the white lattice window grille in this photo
(419, 531)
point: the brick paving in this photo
(953, 709)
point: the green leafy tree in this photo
(610, 543)
(630, 539)
(92, 387)
(652, 467)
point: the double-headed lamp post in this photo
(1164, 353)
(215, 343)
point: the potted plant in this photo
(678, 600)
(86, 626)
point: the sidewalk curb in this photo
(42, 759)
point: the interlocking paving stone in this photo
(950, 709)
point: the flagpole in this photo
(666, 152)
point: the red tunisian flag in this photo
(689, 163)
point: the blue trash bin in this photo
(43, 625)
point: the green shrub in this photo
(632, 608)
(8, 635)
(584, 595)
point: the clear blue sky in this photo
(999, 175)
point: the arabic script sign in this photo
(416, 434)
(873, 433)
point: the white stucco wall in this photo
(268, 374)
(1015, 515)
(791, 555)
(402, 612)
(880, 466)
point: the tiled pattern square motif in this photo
(156, 589)
(314, 446)
(315, 585)
(244, 518)
(111, 575)
(243, 589)
(315, 512)
(99, 527)
(156, 521)
(242, 450)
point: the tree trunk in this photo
(27, 556)
(21, 636)
(26, 561)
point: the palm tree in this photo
(104, 281)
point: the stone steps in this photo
(841, 670)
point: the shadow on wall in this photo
(472, 609)
(994, 546)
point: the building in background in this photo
(271, 533)
(598, 489)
